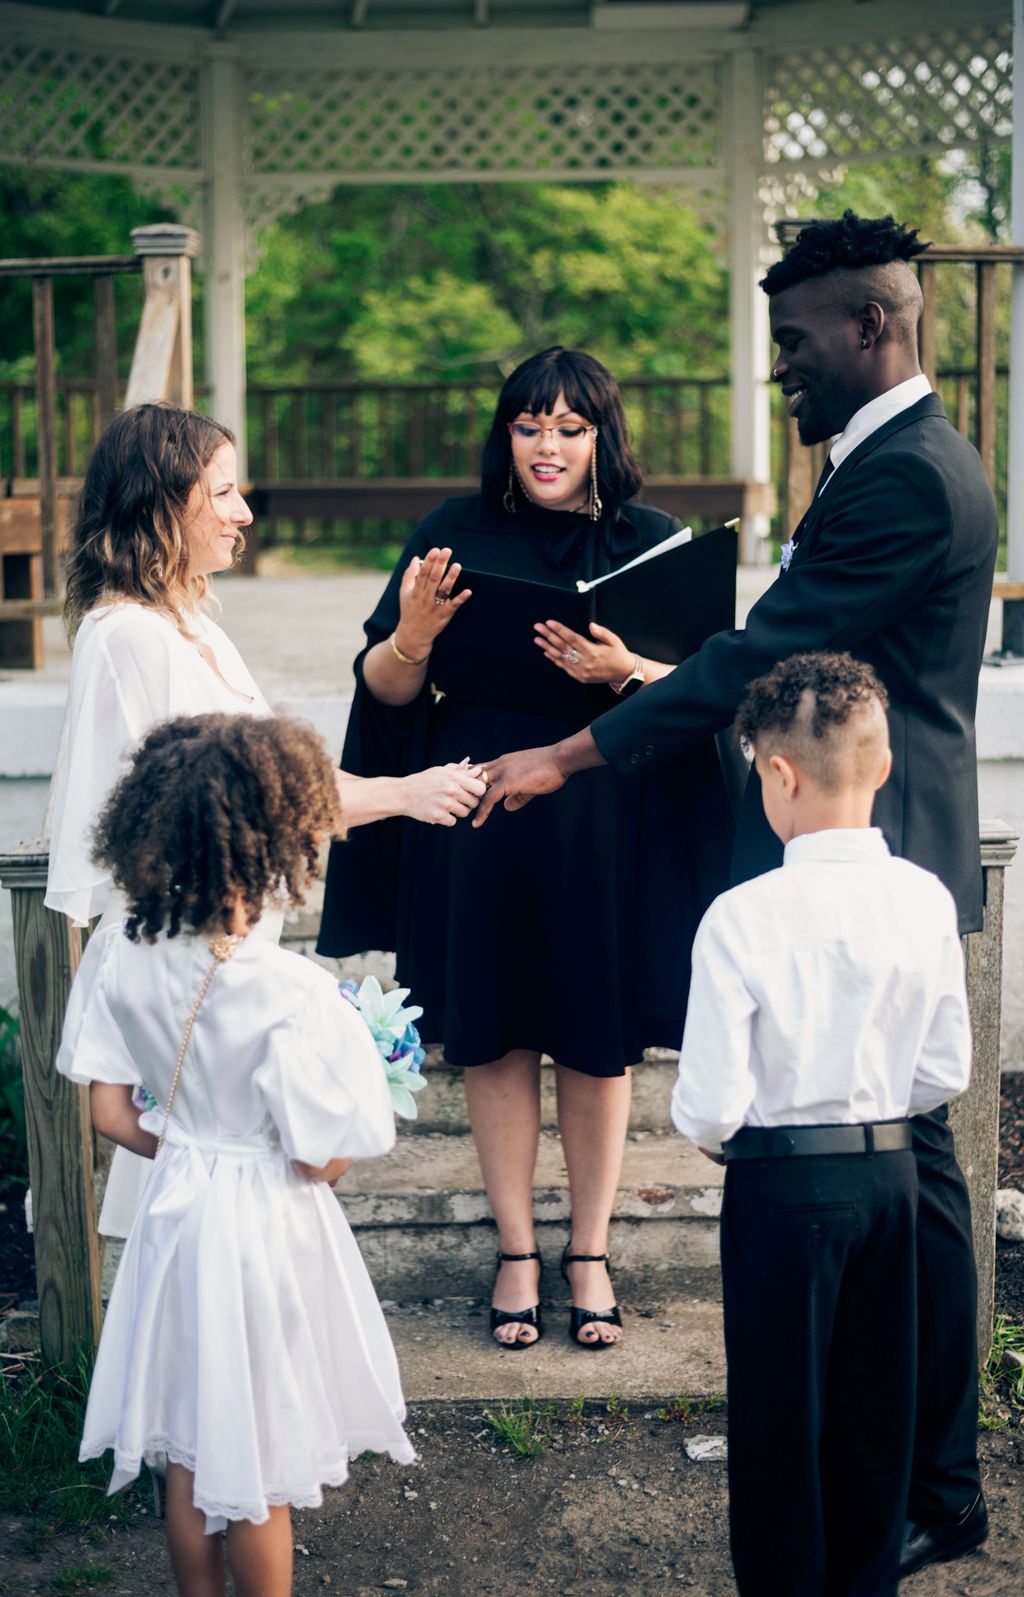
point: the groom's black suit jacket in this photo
(894, 563)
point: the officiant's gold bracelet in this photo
(406, 659)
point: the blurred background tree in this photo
(458, 282)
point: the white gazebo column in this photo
(1015, 461)
(749, 335)
(223, 108)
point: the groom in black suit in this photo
(893, 561)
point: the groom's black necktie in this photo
(826, 472)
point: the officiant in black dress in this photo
(566, 932)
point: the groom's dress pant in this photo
(945, 1475)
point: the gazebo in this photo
(250, 108)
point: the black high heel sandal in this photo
(529, 1316)
(578, 1318)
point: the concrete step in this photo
(442, 1106)
(424, 1224)
(670, 1349)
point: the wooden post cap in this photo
(165, 238)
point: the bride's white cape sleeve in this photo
(121, 685)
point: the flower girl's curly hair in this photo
(213, 807)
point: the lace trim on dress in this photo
(157, 1449)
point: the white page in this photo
(671, 542)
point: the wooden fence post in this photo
(975, 1116)
(60, 1159)
(162, 362)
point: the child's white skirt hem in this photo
(309, 1494)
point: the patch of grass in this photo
(521, 1426)
(41, 1412)
(681, 1410)
(13, 1145)
(615, 1408)
(82, 1577)
(575, 1412)
(1001, 1387)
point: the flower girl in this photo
(243, 1340)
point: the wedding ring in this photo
(573, 656)
(485, 778)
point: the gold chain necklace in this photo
(222, 949)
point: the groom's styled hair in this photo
(863, 259)
(851, 244)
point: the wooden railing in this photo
(398, 435)
(33, 510)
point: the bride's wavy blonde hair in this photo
(128, 539)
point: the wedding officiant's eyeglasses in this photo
(566, 431)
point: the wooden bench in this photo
(22, 605)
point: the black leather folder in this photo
(663, 610)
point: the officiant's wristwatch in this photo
(633, 682)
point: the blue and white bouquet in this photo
(393, 1028)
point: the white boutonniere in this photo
(787, 553)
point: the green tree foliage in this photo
(60, 213)
(461, 281)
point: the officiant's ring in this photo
(573, 656)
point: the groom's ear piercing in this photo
(864, 343)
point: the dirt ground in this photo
(612, 1504)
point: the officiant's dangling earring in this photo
(595, 499)
(509, 496)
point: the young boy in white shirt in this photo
(827, 1004)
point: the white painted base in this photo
(1001, 793)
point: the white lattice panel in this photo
(71, 105)
(851, 102)
(475, 121)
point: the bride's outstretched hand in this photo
(443, 794)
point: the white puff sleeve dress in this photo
(243, 1338)
(130, 669)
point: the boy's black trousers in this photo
(818, 1279)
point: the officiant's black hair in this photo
(592, 393)
(849, 244)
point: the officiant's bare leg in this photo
(593, 1114)
(503, 1099)
(196, 1559)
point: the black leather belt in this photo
(788, 1142)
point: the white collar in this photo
(876, 413)
(852, 845)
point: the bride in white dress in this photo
(243, 1339)
(160, 512)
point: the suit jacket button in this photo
(634, 759)
(649, 750)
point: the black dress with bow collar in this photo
(567, 926)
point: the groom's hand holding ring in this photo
(516, 778)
